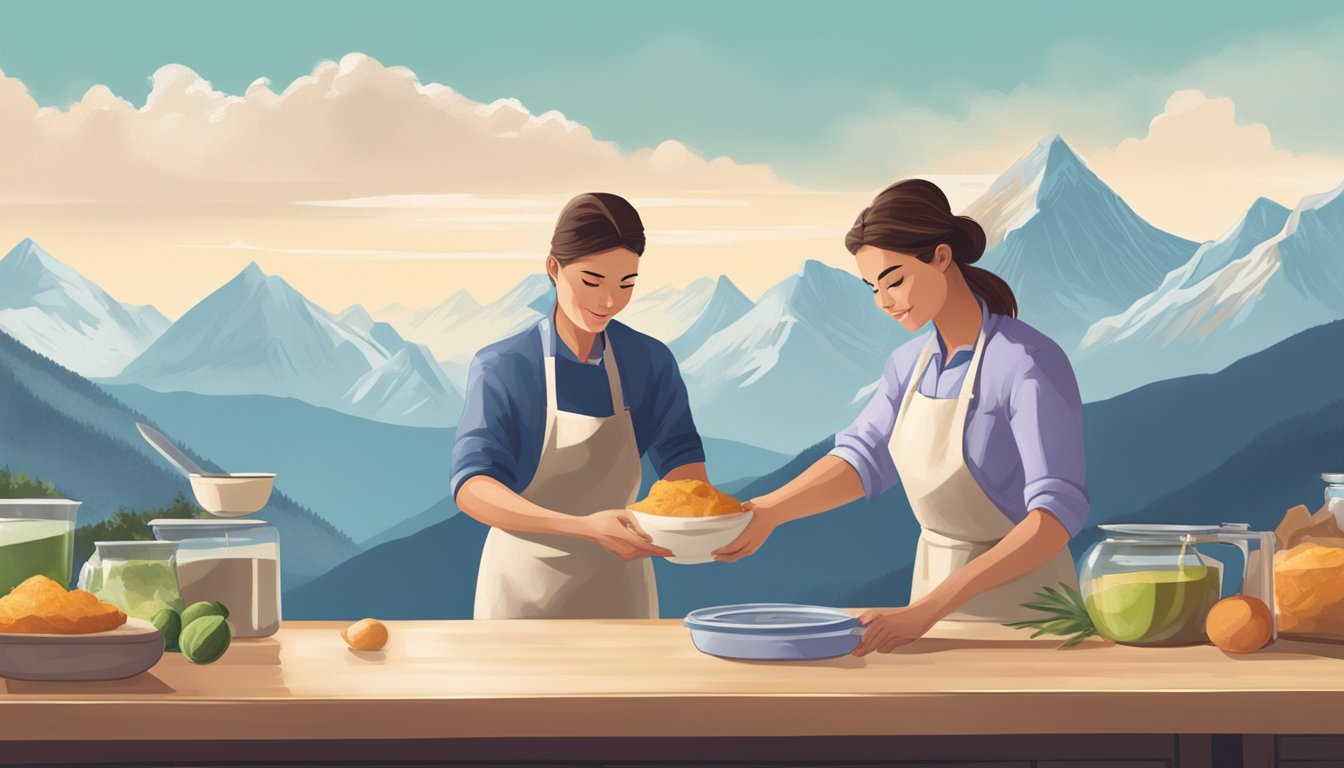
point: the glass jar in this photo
(139, 577)
(1334, 495)
(236, 562)
(37, 537)
(1155, 584)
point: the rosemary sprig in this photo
(1065, 616)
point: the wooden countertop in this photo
(595, 679)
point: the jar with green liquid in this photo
(1153, 585)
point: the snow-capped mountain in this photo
(1071, 249)
(1272, 275)
(684, 320)
(455, 344)
(257, 335)
(785, 374)
(434, 326)
(53, 310)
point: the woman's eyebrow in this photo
(879, 277)
(594, 274)
(627, 277)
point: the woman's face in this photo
(904, 287)
(593, 289)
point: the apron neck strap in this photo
(548, 334)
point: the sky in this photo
(179, 135)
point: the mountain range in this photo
(54, 310)
(257, 335)
(1273, 274)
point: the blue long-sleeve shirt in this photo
(1023, 435)
(504, 420)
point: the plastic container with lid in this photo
(774, 631)
(236, 562)
(139, 577)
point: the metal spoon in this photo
(172, 453)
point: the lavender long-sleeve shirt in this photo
(1024, 432)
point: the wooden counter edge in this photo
(1272, 712)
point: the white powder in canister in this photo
(248, 586)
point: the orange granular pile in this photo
(687, 498)
(40, 605)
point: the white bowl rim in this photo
(37, 502)
(233, 475)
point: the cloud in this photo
(1292, 84)
(350, 129)
(369, 254)
(1197, 167)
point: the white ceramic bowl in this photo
(233, 495)
(692, 539)
(115, 654)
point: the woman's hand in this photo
(887, 628)
(617, 531)
(763, 523)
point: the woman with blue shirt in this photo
(548, 449)
(980, 422)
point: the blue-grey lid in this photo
(770, 619)
(1333, 478)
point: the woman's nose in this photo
(608, 300)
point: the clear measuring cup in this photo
(139, 577)
(1155, 584)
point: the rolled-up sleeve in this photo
(1046, 414)
(488, 439)
(865, 444)
(675, 441)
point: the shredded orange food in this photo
(40, 605)
(687, 498)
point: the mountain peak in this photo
(29, 254)
(252, 272)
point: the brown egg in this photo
(365, 635)
(1239, 624)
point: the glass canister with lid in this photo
(1334, 495)
(139, 577)
(236, 562)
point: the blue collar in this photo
(962, 355)
(562, 349)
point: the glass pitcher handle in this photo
(1228, 588)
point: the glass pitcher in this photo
(1155, 584)
(139, 577)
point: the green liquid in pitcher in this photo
(1153, 607)
(32, 547)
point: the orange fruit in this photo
(1239, 624)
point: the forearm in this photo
(487, 500)
(829, 483)
(694, 471)
(1027, 547)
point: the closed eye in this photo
(898, 282)
(590, 285)
(627, 287)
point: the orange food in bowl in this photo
(1239, 624)
(687, 498)
(40, 605)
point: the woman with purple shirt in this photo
(979, 421)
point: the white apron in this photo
(958, 521)
(587, 464)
